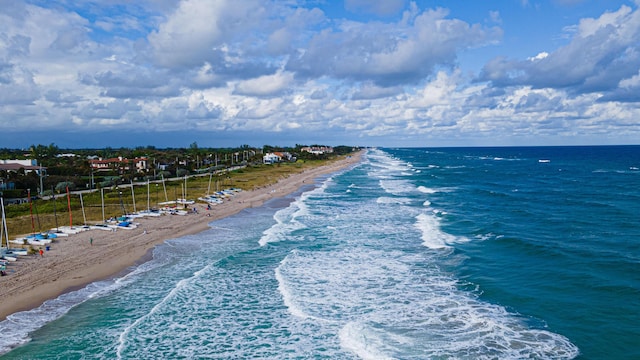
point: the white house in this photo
(119, 163)
(271, 158)
(15, 165)
(21, 162)
(318, 150)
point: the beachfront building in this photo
(271, 158)
(15, 165)
(279, 156)
(120, 164)
(318, 150)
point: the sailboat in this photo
(183, 200)
(103, 225)
(149, 211)
(70, 230)
(7, 253)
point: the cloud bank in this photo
(389, 73)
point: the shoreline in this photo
(74, 262)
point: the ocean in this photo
(415, 253)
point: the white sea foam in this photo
(392, 200)
(356, 338)
(426, 190)
(432, 236)
(283, 226)
(16, 328)
(397, 187)
(286, 219)
(353, 281)
(382, 164)
(398, 310)
(287, 296)
(125, 334)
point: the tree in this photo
(62, 186)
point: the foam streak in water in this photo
(122, 339)
(432, 236)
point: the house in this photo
(276, 157)
(318, 150)
(271, 158)
(119, 163)
(15, 165)
(285, 156)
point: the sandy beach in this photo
(76, 261)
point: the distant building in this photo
(119, 163)
(15, 165)
(275, 157)
(271, 158)
(318, 150)
(31, 162)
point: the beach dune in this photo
(93, 255)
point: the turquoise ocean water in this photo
(461, 253)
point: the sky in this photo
(388, 73)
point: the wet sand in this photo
(74, 262)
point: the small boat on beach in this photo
(73, 230)
(211, 199)
(122, 222)
(58, 233)
(150, 213)
(100, 227)
(8, 258)
(15, 251)
(31, 241)
(185, 202)
(174, 211)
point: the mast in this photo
(2, 223)
(55, 214)
(37, 216)
(3, 229)
(148, 200)
(102, 200)
(69, 207)
(166, 198)
(33, 225)
(84, 216)
(133, 197)
(124, 211)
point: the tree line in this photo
(71, 168)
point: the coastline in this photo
(76, 261)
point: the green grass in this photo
(43, 215)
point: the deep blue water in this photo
(460, 253)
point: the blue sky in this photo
(224, 73)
